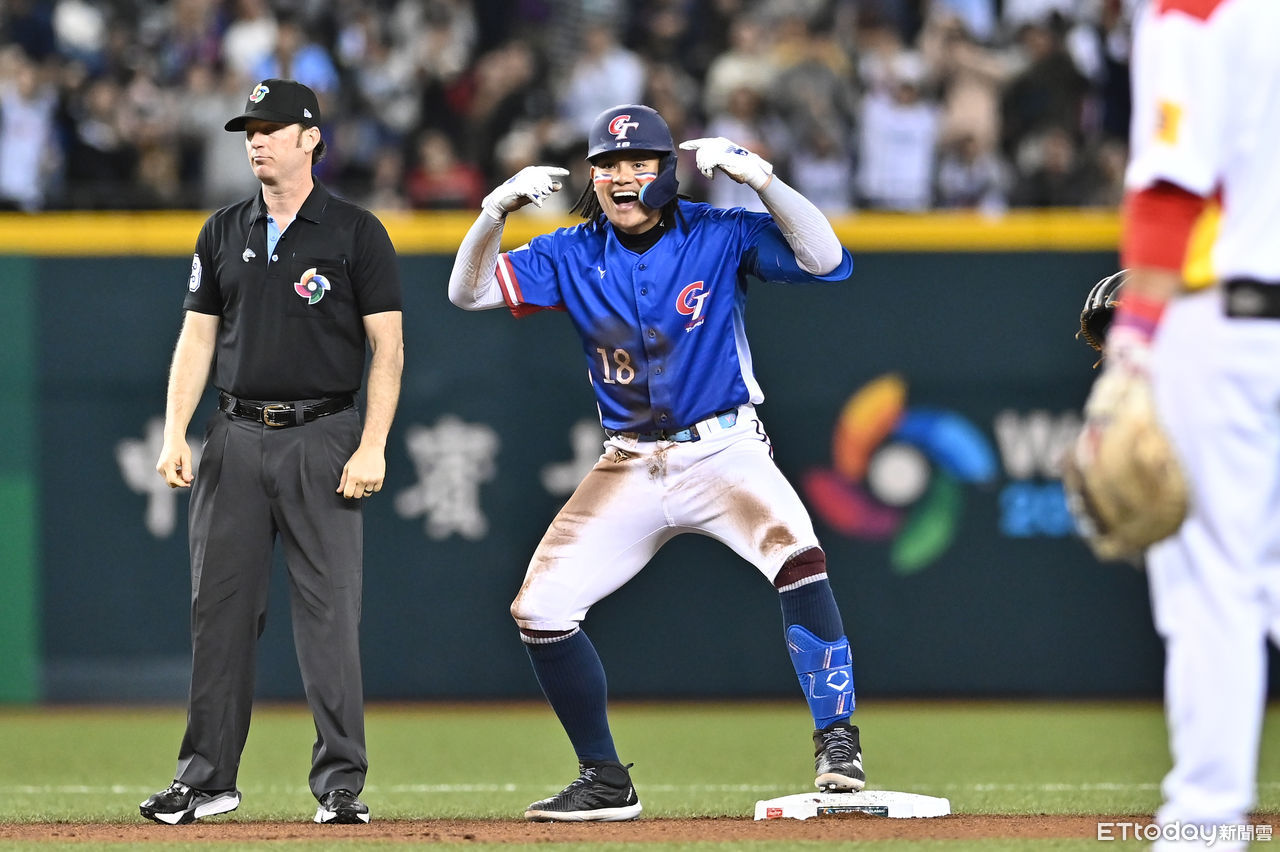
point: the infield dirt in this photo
(705, 829)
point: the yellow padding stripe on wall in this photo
(174, 233)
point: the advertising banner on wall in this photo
(919, 408)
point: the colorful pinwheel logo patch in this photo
(897, 473)
(312, 286)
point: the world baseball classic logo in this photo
(312, 286)
(897, 473)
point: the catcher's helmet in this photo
(1100, 307)
(637, 127)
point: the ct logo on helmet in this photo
(312, 286)
(259, 92)
(620, 125)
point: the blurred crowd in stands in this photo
(896, 105)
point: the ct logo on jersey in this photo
(259, 92)
(312, 286)
(691, 301)
(620, 125)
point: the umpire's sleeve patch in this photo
(193, 283)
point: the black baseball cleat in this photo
(602, 793)
(180, 804)
(838, 759)
(341, 807)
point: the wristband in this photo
(1136, 317)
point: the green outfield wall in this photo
(961, 578)
(19, 484)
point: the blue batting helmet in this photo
(639, 128)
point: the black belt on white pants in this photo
(1247, 298)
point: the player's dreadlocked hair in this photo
(588, 206)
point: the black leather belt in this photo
(1247, 298)
(280, 415)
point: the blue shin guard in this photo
(825, 670)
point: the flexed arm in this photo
(805, 228)
(473, 283)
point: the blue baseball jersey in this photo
(663, 331)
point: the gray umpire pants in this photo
(255, 482)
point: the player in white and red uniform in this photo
(1206, 124)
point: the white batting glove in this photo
(532, 183)
(732, 159)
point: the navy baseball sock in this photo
(572, 677)
(806, 598)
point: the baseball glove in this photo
(1124, 484)
(1099, 308)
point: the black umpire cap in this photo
(283, 101)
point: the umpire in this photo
(285, 290)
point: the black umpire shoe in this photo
(341, 807)
(838, 759)
(181, 804)
(602, 793)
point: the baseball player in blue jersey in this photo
(656, 286)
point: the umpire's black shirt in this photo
(283, 334)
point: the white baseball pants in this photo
(641, 494)
(1215, 585)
